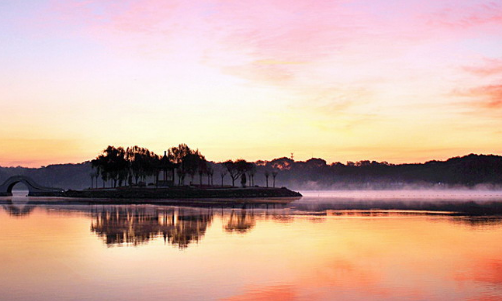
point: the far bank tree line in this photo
(134, 165)
(315, 173)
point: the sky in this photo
(384, 80)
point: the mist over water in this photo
(411, 194)
(459, 201)
(465, 201)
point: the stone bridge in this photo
(34, 188)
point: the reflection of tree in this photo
(240, 222)
(281, 218)
(138, 226)
(183, 227)
(125, 225)
(478, 221)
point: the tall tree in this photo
(237, 168)
(232, 170)
(202, 169)
(251, 171)
(187, 161)
(138, 161)
(99, 164)
(177, 155)
(223, 173)
(112, 164)
(167, 166)
(209, 173)
(274, 174)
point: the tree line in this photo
(133, 165)
(468, 171)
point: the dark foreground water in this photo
(326, 246)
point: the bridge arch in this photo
(34, 188)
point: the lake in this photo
(353, 245)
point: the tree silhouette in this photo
(209, 173)
(138, 158)
(99, 165)
(223, 173)
(243, 179)
(93, 175)
(274, 174)
(232, 171)
(314, 173)
(202, 168)
(177, 154)
(238, 168)
(154, 167)
(166, 166)
(187, 161)
(251, 171)
(191, 163)
(112, 164)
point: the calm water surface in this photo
(316, 248)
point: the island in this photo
(128, 170)
(186, 192)
(137, 175)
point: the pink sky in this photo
(397, 81)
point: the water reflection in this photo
(464, 207)
(17, 209)
(479, 222)
(284, 216)
(134, 225)
(280, 254)
(138, 225)
(182, 227)
(240, 222)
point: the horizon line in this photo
(327, 163)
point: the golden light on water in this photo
(248, 255)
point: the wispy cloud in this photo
(466, 15)
(484, 97)
(333, 68)
(489, 67)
